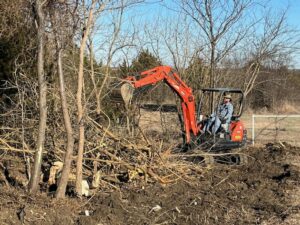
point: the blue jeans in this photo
(217, 123)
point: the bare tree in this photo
(220, 22)
(62, 36)
(113, 45)
(272, 41)
(172, 36)
(92, 72)
(61, 189)
(39, 15)
(80, 108)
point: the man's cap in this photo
(227, 96)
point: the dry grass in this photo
(155, 121)
(288, 108)
(273, 129)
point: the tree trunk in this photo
(117, 26)
(34, 181)
(62, 184)
(212, 75)
(95, 90)
(253, 70)
(80, 107)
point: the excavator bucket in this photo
(127, 93)
(122, 93)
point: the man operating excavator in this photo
(222, 117)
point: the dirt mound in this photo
(264, 191)
(41, 209)
(250, 194)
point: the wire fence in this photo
(274, 128)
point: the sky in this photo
(151, 9)
(293, 19)
(293, 15)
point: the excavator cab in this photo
(235, 135)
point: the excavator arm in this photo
(166, 74)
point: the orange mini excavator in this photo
(193, 122)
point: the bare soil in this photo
(263, 191)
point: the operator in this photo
(223, 117)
